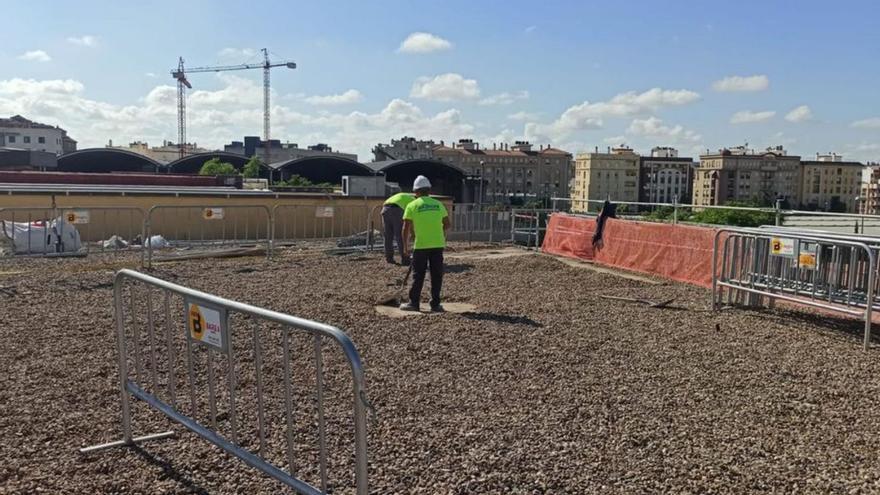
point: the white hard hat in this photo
(421, 182)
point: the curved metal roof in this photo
(191, 164)
(102, 160)
(320, 169)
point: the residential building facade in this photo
(741, 174)
(869, 199)
(19, 132)
(276, 151)
(831, 184)
(407, 148)
(665, 177)
(508, 172)
(598, 176)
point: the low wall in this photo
(677, 252)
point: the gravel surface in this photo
(546, 388)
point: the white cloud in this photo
(423, 43)
(742, 83)
(523, 116)
(505, 98)
(217, 117)
(614, 140)
(588, 115)
(799, 114)
(872, 123)
(35, 56)
(151, 74)
(445, 87)
(237, 53)
(86, 40)
(653, 127)
(749, 117)
(531, 29)
(346, 98)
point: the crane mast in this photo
(183, 84)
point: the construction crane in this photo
(183, 84)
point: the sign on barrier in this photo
(781, 246)
(212, 214)
(207, 324)
(77, 217)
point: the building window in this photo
(41, 140)
(27, 140)
(11, 139)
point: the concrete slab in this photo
(452, 307)
(589, 265)
(488, 254)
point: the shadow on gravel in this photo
(460, 268)
(169, 472)
(508, 319)
(849, 329)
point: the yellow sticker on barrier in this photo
(807, 261)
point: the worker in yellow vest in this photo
(392, 219)
(427, 221)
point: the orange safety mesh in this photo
(678, 252)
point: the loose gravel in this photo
(545, 388)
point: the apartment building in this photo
(612, 175)
(19, 132)
(508, 172)
(275, 151)
(406, 148)
(741, 174)
(831, 184)
(664, 176)
(869, 199)
(166, 153)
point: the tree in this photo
(252, 168)
(215, 167)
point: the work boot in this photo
(409, 307)
(437, 308)
(390, 261)
(405, 261)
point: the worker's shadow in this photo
(460, 268)
(507, 319)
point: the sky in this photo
(695, 75)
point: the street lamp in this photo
(482, 170)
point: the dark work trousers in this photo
(421, 258)
(392, 218)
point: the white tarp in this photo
(43, 236)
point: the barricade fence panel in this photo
(813, 269)
(323, 222)
(71, 231)
(207, 227)
(283, 394)
(479, 223)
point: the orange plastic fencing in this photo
(678, 252)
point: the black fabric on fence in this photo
(609, 210)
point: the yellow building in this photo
(829, 183)
(599, 176)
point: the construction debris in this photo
(651, 304)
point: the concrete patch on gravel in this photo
(393, 312)
(489, 254)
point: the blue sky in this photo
(692, 74)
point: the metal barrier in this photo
(254, 349)
(530, 225)
(208, 227)
(830, 272)
(478, 223)
(73, 230)
(296, 223)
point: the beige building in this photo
(741, 174)
(508, 172)
(166, 153)
(869, 203)
(831, 184)
(598, 176)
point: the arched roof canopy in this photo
(191, 164)
(106, 160)
(446, 179)
(320, 169)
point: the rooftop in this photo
(17, 121)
